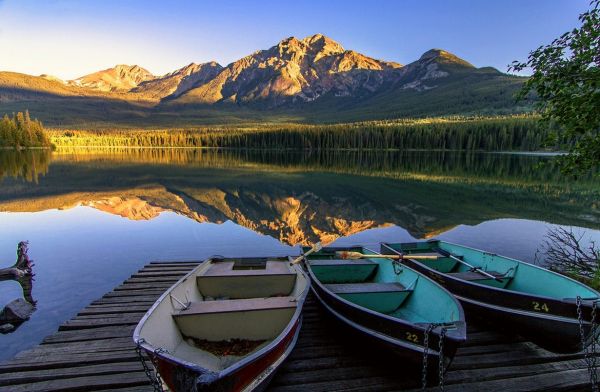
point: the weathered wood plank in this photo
(108, 310)
(504, 372)
(51, 361)
(569, 380)
(89, 334)
(125, 379)
(33, 376)
(93, 323)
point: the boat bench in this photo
(380, 297)
(252, 318)
(342, 271)
(223, 280)
(474, 275)
(356, 288)
(237, 305)
(340, 262)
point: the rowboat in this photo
(225, 326)
(392, 305)
(540, 305)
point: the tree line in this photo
(520, 133)
(20, 131)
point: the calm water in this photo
(94, 217)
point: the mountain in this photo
(179, 81)
(119, 78)
(314, 79)
(294, 70)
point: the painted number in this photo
(540, 307)
(411, 337)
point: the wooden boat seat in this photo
(339, 262)
(356, 288)
(474, 275)
(343, 271)
(223, 280)
(228, 269)
(237, 305)
(380, 297)
(222, 320)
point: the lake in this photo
(93, 217)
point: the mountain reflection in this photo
(300, 197)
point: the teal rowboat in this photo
(541, 305)
(390, 304)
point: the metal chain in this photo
(590, 360)
(441, 360)
(593, 374)
(154, 380)
(430, 328)
(425, 354)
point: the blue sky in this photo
(70, 38)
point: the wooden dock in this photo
(94, 352)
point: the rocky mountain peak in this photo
(121, 77)
(443, 56)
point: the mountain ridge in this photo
(309, 78)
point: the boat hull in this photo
(251, 373)
(549, 323)
(388, 332)
(254, 376)
(537, 328)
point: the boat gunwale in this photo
(244, 361)
(566, 300)
(458, 334)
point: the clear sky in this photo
(70, 38)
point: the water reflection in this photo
(94, 217)
(26, 164)
(304, 197)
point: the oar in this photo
(317, 247)
(347, 255)
(476, 269)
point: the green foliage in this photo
(566, 77)
(21, 131)
(521, 133)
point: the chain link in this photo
(593, 374)
(589, 354)
(428, 331)
(441, 360)
(425, 355)
(153, 376)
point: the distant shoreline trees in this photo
(20, 131)
(517, 133)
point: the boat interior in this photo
(226, 310)
(475, 266)
(384, 286)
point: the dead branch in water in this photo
(563, 251)
(22, 267)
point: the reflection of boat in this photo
(536, 303)
(227, 325)
(392, 305)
